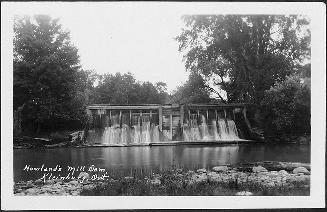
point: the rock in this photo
(270, 184)
(31, 191)
(199, 178)
(304, 140)
(301, 170)
(283, 172)
(179, 175)
(49, 182)
(73, 182)
(155, 182)
(258, 169)
(190, 172)
(303, 179)
(214, 177)
(20, 194)
(89, 187)
(84, 175)
(28, 184)
(244, 193)
(58, 180)
(38, 182)
(286, 139)
(75, 193)
(273, 174)
(179, 170)
(220, 168)
(201, 170)
(129, 178)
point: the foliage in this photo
(286, 107)
(192, 91)
(178, 184)
(124, 89)
(46, 69)
(244, 55)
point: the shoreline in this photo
(39, 143)
(260, 178)
(175, 143)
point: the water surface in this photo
(125, 159)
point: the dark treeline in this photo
(51, 90)
(124, 89)
(254, 59)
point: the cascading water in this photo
(215, 131)
(223, 130)
(138, 134)
(144, 132)
(204, 132)
(155, 133)
(232, 129)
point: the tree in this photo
(286, 107)
(46, 66)
(192, 91)
(124, 89)
(244, 55)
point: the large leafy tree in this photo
(286, 107)
(46, 69)
(194, 90)
(124, 89)
(244, 55)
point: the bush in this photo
(286, 107)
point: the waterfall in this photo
(215, 130)
(155, 133)
(195, 128)
(146, 138)
(223, 130)
(124, 134)
(204, 130)
(232, 129)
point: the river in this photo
(125, 159)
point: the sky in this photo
(137, 37)
(123, 38)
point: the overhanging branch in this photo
(216, 92)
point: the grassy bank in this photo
(286, 179)
(174, 184)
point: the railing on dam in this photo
(168, 122)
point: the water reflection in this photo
(157, 157)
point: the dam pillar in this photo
(130, 118)
(160, 117)
(88, 112)
(120, 119)
(246, 119)
(198, 119)
(110, 122)
(181, 111)
(171, 125)
(89, 118)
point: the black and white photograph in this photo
(126, 105)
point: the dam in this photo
(154, 124)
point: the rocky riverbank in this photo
(220, 180)
(303, 139)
